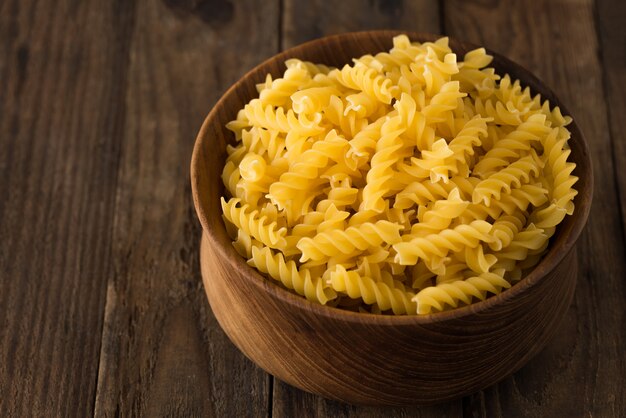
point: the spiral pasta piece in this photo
(520, 171)
(249, 220)
(445, 100)
(521, 198)
(463, 144)
(268, 117)
(366, 79)
(441, 215)
(504, 231)
(230, 177)
(562, 192)
(528, 239)
(244, 244)
(361, 237)
(301, 281)
(341, 197)
(476, 259)
(269, 144)
(382, 161)
(372, 292)
(441, 243)
(510, 147)
(455, 270)
(437, 71)
(422, 192)
(373, 265)
(439, 297)
(548, 216)
(312, 100)
(434, 164)
(304, 174)
(403, 53)
(277, 92)
(312, 68)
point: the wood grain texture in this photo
(375, 359)
(611, 15)
(56, 114)
(581, 372)
(293, 402)
(163, 354)
(305, 21)
(99, 282)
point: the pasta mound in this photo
(405, 183)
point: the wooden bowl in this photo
(366, 358)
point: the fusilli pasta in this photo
(406, 182)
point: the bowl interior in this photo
(210, 153)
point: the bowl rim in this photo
(548, 263)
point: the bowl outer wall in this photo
(484, 318)
(372, 364)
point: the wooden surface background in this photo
(102, 310)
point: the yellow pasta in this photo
(300, 280)
(460, 291)
(407, 182)
(387, 297)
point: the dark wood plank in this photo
(303, 21)
(611, 15)
(582, 370)
(62, 85)
(163, 353)
(291, 402)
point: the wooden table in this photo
(102, 309)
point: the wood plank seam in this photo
(126, 41)
(611, 117)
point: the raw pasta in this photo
(407, 182)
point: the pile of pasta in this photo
(406, 183)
